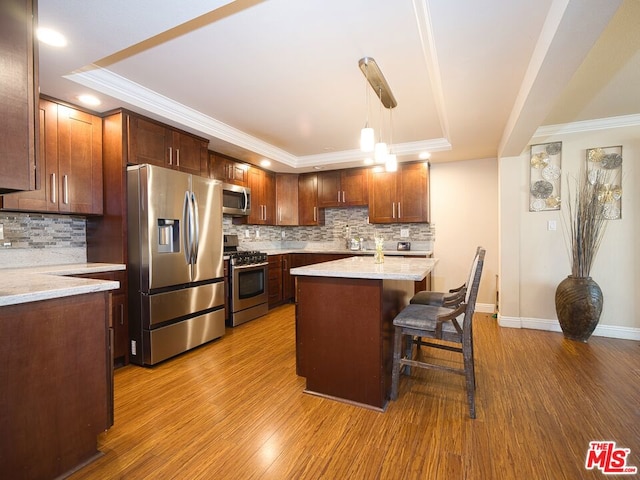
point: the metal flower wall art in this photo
(544, 191)
(607, 160)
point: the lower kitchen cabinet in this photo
(56, 376)
(275, 280)
(119, 315)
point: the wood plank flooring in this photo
(234, 409)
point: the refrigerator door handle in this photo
(196, 237)
(186, 227)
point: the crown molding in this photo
(114, 85)
(588, 125)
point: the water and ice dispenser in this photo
(168, 235)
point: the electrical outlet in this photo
(283, 235)
(257, 233)
(551, 225)
(404, 232)
(246, 233)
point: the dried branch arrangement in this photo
(586, 220)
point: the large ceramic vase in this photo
(578, 305)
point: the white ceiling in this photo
(279, 79)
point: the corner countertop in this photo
(31, 284)
(393, 268)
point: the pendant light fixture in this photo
(380, 150)
(391, 161)
(374, 76)
(367, 136)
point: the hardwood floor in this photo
(234, 409)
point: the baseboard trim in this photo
(610, 331)
(485, 308)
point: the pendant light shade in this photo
(380, 152)
(367, 139)
(391, 163)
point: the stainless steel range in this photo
(248, 274)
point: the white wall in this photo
(464, 209)
(534, 260)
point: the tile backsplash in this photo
(34, 239)
(333, 231)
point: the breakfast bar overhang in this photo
(344, 324)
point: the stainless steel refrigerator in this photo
(175, 267)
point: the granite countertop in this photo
(404, 253)
(31, 284)
(393, 268)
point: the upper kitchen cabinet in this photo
(18, 95)
(400, 197)
(263, 197)
(287, 199)
(227, 170)
(308, 211)
(157, 144)
(70, 166)
(343, 188)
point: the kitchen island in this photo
(344, 330)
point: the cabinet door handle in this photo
(343, 198)
(279, 214)
(65, 182)
(315, 214)
(393, 206)
(338, 196)
(399, 216)
(121, 311)
(170, 156)
(178, 157)
(54, 188)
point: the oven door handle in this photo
(247, 267)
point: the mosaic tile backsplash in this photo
(34, 238)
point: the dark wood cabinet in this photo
(287, 199)
(119, 315)
(56, 384)
(70, 164)
(18, 95)
(275, 280)
(308, 211)
(157, 144)
(263, 197)
(227, 170)
(343, 188)
(400, 197)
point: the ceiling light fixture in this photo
(51, 37)
(89, 100)
(374, 76)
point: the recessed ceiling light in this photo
(89, 100)
(424, 155)
(51, 37)
(368, 161)
(265, 163)
(317, 167)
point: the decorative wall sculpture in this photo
(607, 161)
(544, 190)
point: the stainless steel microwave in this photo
(236, 200)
